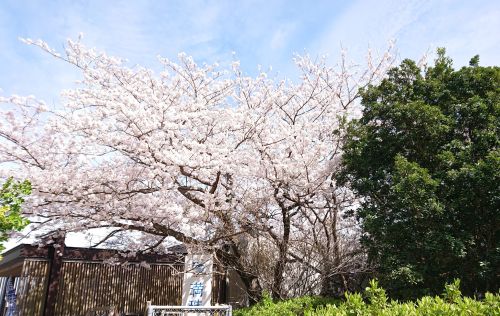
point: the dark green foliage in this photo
(375, 302)
(12, 195)
(425, 159)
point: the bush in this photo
(291, 307)
(375, 302)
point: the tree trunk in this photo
(232, 259)
(333, 282)
(279, 269)
(333, 285)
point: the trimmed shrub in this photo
(375, 302)
(291, 307)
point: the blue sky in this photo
(265, 33)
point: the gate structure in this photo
(221, 310)
(78, 281)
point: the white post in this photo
(150, 308)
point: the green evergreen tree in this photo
(425, 159)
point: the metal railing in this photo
(221, 310)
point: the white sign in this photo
(197, 285)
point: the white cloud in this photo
(369, 24)
(465, 28)
(281, 36)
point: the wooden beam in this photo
(56, 253)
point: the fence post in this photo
(149, 309)
(56, 255)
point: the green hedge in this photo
(375, 302)
(291, 307)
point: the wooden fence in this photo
(31, 288)
(86, 286)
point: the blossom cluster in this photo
(196, 152)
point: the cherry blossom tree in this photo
(205, 155)
(299, 150)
